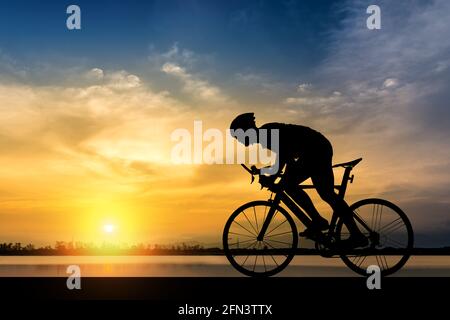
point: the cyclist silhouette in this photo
(305, 153)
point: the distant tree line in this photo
(82, 248)
(63, 248)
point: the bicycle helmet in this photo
(243, 121)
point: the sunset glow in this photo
(109, 228)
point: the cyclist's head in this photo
(240, 128)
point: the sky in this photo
(86, 115)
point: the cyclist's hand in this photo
(255, 170)
(266, 181)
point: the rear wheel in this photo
(390, 237)
(264, 257)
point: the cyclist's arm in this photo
(295, 170)
(277, 167)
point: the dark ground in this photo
(291, 298)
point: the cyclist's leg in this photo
(323, 179)
(305, 202)
(296, 176)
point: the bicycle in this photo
(274, 239)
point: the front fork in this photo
(275, 202)
(266, 223)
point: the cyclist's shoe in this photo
(308, 233)
(353, 242)
(316, 227)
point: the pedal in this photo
(324, 251)
(312, 235)
(306, 234)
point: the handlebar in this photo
(249, 171)
(256, 172)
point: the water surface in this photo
(195, 266)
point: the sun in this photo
(109, 228)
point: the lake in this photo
(195, 266)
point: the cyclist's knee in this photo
(291, 184)
(329, 197)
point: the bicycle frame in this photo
(283, 196)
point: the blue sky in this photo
(277, 37)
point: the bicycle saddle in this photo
(349, 164)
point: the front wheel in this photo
(389, 232)
(265, 256)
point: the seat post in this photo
(344, 184)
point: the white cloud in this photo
(192, 84)
(190, 69)
(249, 78)
(323, 103)
(257, 84)
(442, 66)
(171, 68)
(304, 87)
(95, 73)
(390, 83)
(10, 68)
(123, 80)
(172, 52)
(177, 55)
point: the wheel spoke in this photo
(234, 221)
(398, 243)
(253, 227)
(274, 260)
(243, 263)
(241, 234)
(375, 222)
(280, 242)
(273, 248)
(381, 213)
(361, 218)
(360, 260)
(276, 228)
(378, 263)
(241, 242)
(393, 228)
(382, 263)
(385, 262)
(278, 234)
(375, 212)
(252, 244)
(372, 223)
(264, 261)
(390, 224)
